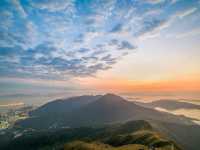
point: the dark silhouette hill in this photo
(93, 110)
(104, 109)
(111, 108)
(63, 105)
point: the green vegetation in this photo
(144, 137)
(134, 135)
(79, 145)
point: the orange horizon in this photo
(144, 86)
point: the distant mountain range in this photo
(170, 105)
(108, 109)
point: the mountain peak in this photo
(111, 95)
(111, 99)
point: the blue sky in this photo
(61, 40)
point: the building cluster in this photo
(7, 119)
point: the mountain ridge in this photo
(109, 109)
(99, 110)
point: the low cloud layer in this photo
(68, 38)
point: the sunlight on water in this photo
(196, 102)
(12, 104)
(191, 113)
(197, 122)
(150, 98)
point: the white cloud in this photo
(19, 8)
(186, 12)
(194, 32)
(154, 1)
(6, 18)
(54, 6)
(174, 1)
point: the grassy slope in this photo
(118, 136)
(186, 136)
(79, 145)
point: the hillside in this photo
(79, 145)
(134, 134)
(105, 109)
(187, 136)
(109, 109)
(63, 105)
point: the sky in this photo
(139, 47)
